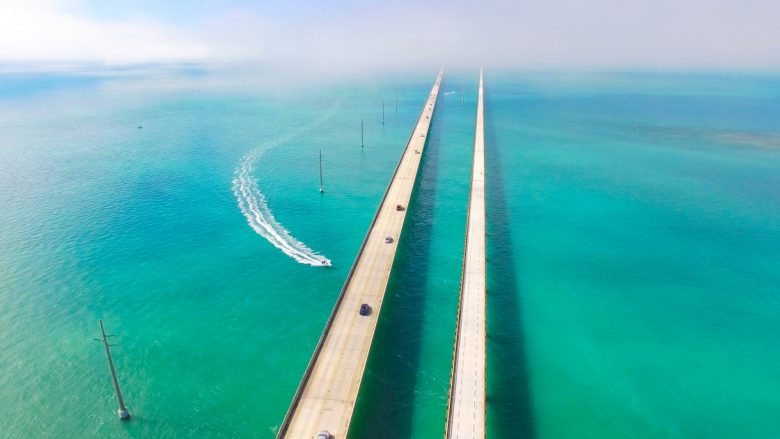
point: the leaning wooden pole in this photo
(122, 412)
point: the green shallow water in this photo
(633, 241)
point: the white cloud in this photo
(50, 30)
(359, 36)
(601, 34)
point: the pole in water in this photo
(383, 111)
(321, 189)
(396, 100)
(122, 411)
(361, 132)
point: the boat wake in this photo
(253, 204)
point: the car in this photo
(323, 434)
(388, 239)
(399, 207)
(365, 309)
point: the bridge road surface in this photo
(326, 396)
(466, 406)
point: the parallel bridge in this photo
(466, 405)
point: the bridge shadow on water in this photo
(385, 405)
(509, 399)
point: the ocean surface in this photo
(633, 249)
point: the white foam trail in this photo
(254, 207)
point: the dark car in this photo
(365, 309)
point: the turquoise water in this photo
(633, 235)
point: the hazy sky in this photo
(350, 35)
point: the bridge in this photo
(326, 396)
(466, 404)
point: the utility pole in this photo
(321, 189)
(122, 412)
